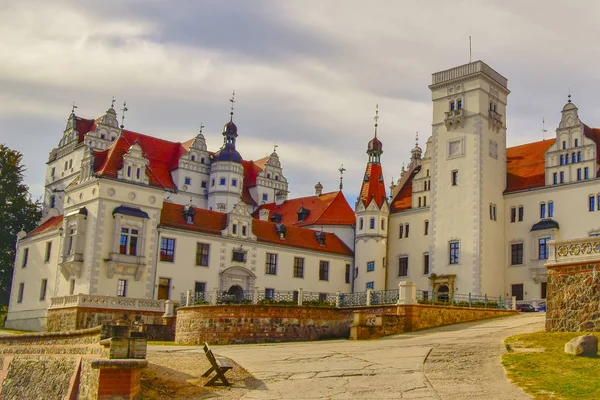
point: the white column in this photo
(407, 292)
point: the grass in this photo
(551, 374)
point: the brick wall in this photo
(259, 324)
(74, 318)
(573, 298)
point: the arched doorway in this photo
(237, 293)
(443, 294)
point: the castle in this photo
(131, 215)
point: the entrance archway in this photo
(236, 292)
(443, 294)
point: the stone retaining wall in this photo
(573, 298)
(78, 317)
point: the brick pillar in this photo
(119, 379)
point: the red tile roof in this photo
(327, 209)
(374, 187)
(213, 222)
(525, 165)
(403, 199)
(50, 224)
(83, 126)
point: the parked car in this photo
(540, 307)
(525, 307)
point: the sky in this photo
(307, 74)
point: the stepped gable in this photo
(374, 187)
(212, 222)
(51, 224)
(403, 199)
(525, 165)
(326, 209)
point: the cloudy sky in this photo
(307, 74)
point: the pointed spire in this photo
(376, 118)
(569, 96)
(124, 109)
(341, 169)
(232, 100)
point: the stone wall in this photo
(573, 298)
(259, 324)
(75, 318)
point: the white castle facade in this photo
(130, 215)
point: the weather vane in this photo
(123, 114)
(232, 100)
(201, 127)
(543, 128)
(275, 146)
(417, 139)
(376, 118)
(112, 103)
(341, 169)
(73, 108)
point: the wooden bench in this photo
(219, 365)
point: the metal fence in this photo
(341, 300)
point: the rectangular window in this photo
(424, 201)
(212, 182)
(25, 258)
(43, 289)
(52, 201)
(244, 230)
(200, 287)
(521, 213)
(543, 210)
(370, 285)
(234, 229)
(513, 214)
(419, 202)
(576, 145)
(238, 255)
(516, 254)
(167, 249)
(401, 231)
(562, 177)
(454, 252)
(426, 264)
(128, 241)
(383, 224)
(269, 293)
(372, 223)
(222, 181)
(550, 209)
(52, 171)
(591, 203)
(360, 223)
(203, 184)
(371, 266)
(543, 248)
(426, 228)
(298, 267)
(555, 178)
(451, 106)
(265, 197)
(271, 264)
(20, 293)
(187, 180)
(586, 173)
(544, 286)
(347, 274)
(202, 252)
(122, 288)
(323, 270)
(406, 230)
(403, 266)
(578, 174)
(517, 291)
(72, 286)
(234, 182)
(48, 251)
(459, 104)
(454, 178)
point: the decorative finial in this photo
(112, 103)
(417, 139)
(201, 127)
(73, 108)
(544, 127)
(275, 146)
(124, 109)
(569, 96)
(376, 118)
(341, 169)
(232, 100)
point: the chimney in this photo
(318, 189)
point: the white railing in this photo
(119, 303)
(574, 250)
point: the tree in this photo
(18, 212)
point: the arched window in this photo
(562, 159)
(573, 158)
(578, 155)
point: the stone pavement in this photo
(453, 362)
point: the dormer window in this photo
(320, 238)
(281, 230)
(275, 217)
(366, 177)
(303, 213)
(189, 213)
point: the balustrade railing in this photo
(95, 301)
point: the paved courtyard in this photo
(454, 362)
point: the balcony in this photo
(71, 265)
(574, 251)
(123, 264)
(538, 270)
(454, 118)
(109, 302)
(495, 119)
